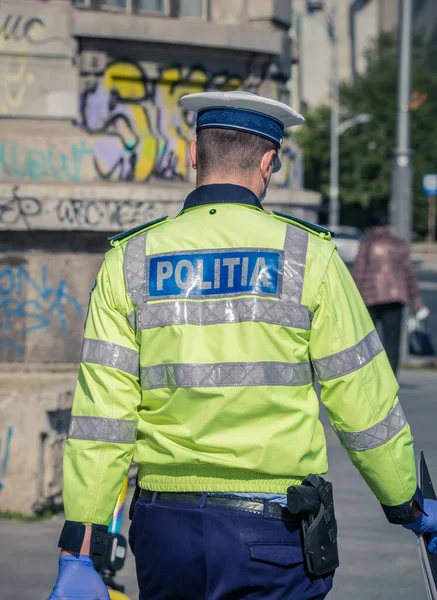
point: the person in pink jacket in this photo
(384, 275)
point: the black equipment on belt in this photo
(274, 511)
(314, 502)
(134, 500)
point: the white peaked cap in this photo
(243, 100)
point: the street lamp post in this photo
(401, 181)
(357, 120)
(401, 176)
(334, 205)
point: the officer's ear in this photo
(267, 164)
(193, 153)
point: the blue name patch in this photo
(214, 273)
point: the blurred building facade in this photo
(358, 23)
(92, 142)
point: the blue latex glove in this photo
(78, 580)
(427, 524)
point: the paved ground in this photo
(378, 560)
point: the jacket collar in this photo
(221, 193)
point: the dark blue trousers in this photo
(192, 552)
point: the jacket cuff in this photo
(403, 514)
(73, 533)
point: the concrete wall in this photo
(34, 408)
(37, 74)
(92, 142)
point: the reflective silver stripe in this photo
(349, 360)
(134, 268)
(377, 435)
(111, 355)
(295, 250)
(225, 375)
(235, 310)
(99, 429)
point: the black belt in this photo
(275, 511)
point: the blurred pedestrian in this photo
(384, 275)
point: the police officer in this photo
(201, 341)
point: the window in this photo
(113, 3)
(192, 8)
(151, 5)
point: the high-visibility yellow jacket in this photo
(201, 343)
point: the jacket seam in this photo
(389, 449)
(105, 446)
(318, 292)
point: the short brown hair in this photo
(229, 151)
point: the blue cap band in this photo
(241, 119)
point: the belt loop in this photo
(154, 497)
(203, 498)
(266, 509)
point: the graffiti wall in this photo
(131, 112)
(130, 127)
(88, 208)
(43, 301)
(41, 159)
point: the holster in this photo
(134, 500)
(320, 530)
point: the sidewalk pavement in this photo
(424, 257)
(379, 561)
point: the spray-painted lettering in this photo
(19, 28)
(19, 209)
(43, 164)
(140, 130)
(30, 304)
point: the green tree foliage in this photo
(366, 150)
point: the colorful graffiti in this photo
(29, 304)
(5, 449)
(141, 130)
(33, 163)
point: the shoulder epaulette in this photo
(322, 232)
(124, 235)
